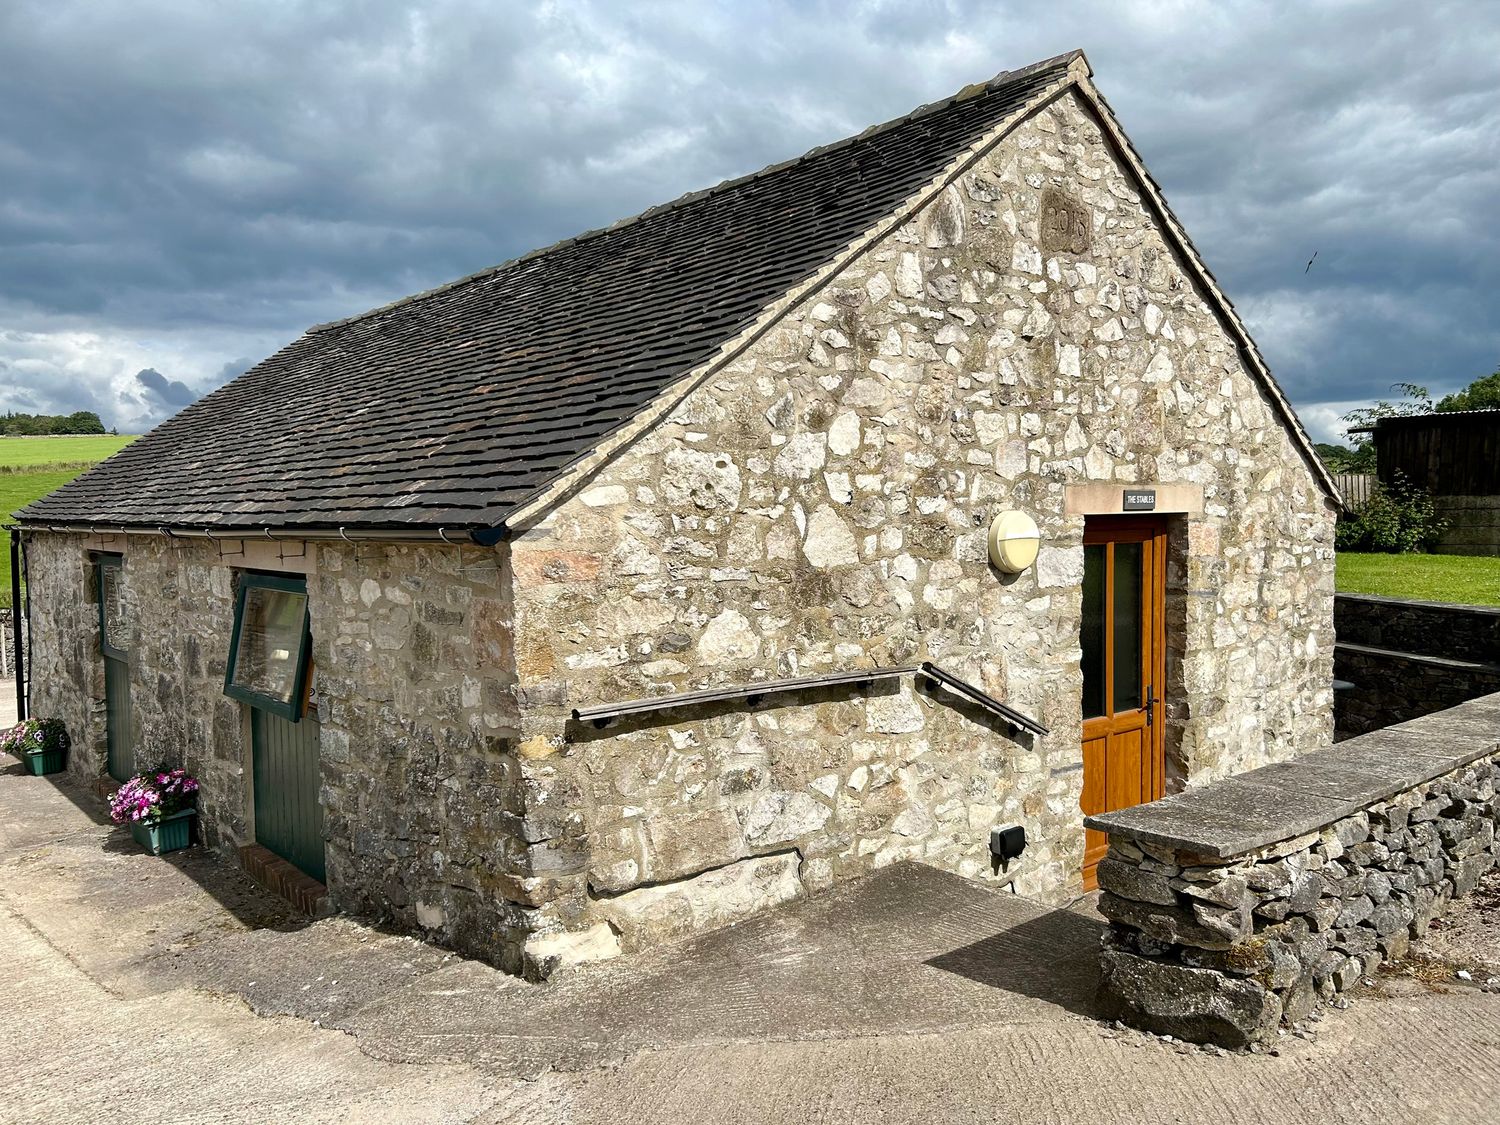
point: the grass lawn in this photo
(1467, 579)
(65, 449)
(33, 466)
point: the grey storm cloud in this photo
(187, 185)
(172, 392)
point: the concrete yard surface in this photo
(173, 989)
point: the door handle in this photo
(1150, 704)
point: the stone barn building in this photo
(644, 581)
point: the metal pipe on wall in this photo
(17, 631)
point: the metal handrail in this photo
(975, 695)
(751, 693)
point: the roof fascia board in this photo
(533, 511)
(1179, 239)
(453, 536)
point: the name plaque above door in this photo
(1112, 498)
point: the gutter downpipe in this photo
(16, 557)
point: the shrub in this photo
(152, 795)
(1399, 518)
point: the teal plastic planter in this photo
(166, 835)
(44, 761)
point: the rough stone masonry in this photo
(1233, 908)
(818, 504)
(821, 504)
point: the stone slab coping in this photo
(1242, 814)
(1413, 603)
(1447, 662)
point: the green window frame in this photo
(109, 573)
(265, 588)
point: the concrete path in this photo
(912, 996)
(7, 703)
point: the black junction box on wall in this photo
(1007, 841)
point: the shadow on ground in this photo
(907, 950)
(903, 951)
(34, 820)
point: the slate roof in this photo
(451, 408)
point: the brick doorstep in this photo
(285, 880)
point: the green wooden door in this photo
(288, 816)
(117, 718)
(114, 646)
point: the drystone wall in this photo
(1224, 948)
(425, 815)
(821, 504)
(1457, 632)
(1404, 659)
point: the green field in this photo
(33, 466)
(68, 449)
(1465, 579)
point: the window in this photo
(114, 639)
(268, 650)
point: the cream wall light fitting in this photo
(1014, 540)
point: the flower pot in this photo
(166, 835)
(38, 762)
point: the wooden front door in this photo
(1123, 637)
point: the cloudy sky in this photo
(185, 186)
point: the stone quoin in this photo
(563, 484)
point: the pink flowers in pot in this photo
(152, 795)
(34, 736)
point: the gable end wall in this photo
(821, 504)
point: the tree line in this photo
(31, 425)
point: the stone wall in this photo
(67, 672)
(8, 643)
(426, 818)
(1408, 658)
(1223, 948)
(1457, 632)
(821, 504)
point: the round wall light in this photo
(1014, 540)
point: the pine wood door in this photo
(1123, 637)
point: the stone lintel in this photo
(1107, 498)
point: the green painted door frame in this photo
(268, 671)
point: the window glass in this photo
(1127, 683)
(268, 664)
(1092, 631)
(112, 629)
